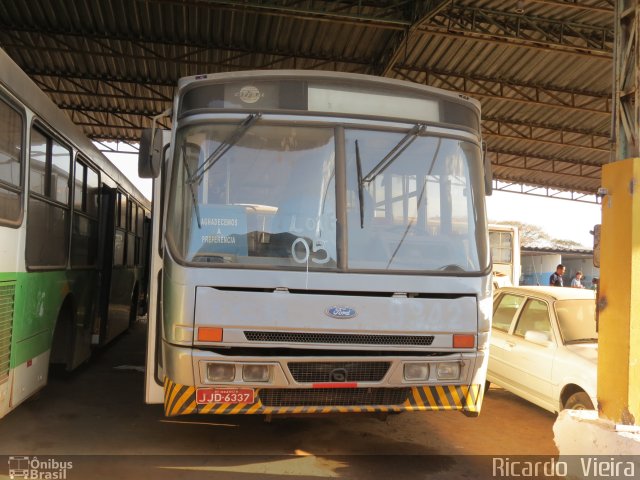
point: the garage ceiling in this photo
(541, 68)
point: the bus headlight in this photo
(255, 373)
(221, 372)
(414, 372)
(448, 371)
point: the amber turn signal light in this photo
(209, 334)
(463, 341)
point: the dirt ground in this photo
(97, 420)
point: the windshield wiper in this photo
(194, 197)
(360, 192)
(395, 152)
(224, 147)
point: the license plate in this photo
(225, 395)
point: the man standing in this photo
(555, 280)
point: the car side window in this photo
(505, 309)
(534, 317)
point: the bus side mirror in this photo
(150, 153)
(488, 171)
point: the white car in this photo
(544, 346)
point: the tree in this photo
(533, 236)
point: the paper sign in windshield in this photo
(223, 229)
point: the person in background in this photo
(594, 283)
(577, 280)
(555, 280)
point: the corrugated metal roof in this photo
(543, 74)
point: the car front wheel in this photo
(578, 401)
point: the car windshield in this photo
(577, 320)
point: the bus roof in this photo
(27, 92)
(324, 76)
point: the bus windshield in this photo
(270, 199)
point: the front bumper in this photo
(181, 400)
(185, 372)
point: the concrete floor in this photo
(97, 419)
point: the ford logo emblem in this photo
(340, 312)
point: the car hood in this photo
(588, 351)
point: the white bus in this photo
(72, 248)
(504, 241)
(320, 246)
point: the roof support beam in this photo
(510, 90)
(606, 6)
(544, 191)
(398, 46)
(583, 135)
(530, 133)
(440, 17)
(340, 11)
(474, 85)
(525, 30)
(514, 155)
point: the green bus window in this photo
(78, 194)
(11, 125)
(60, 170)
(38, 156)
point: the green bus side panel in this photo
(38, 299)
(7, 303)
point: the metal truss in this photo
(233, 54)
(525, 30)
(567, 134)
(386, 14)
(538, 160)
(406, 16)
(510, 90)
(627, 91)
(601, 6)
(398, 47)
(545, 136)
(104, 147)
(545, 191)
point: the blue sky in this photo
(562, 219)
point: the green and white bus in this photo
(72, 241)
(321, 246)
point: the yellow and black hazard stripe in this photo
(181, 400)
(178, 399)
(448, 397)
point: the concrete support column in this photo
(619, 294)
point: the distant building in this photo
(539, 263)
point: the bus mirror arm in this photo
(151, 149)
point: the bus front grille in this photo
(7, 297)
(324, 397)
(338, 338)
(309, 372)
